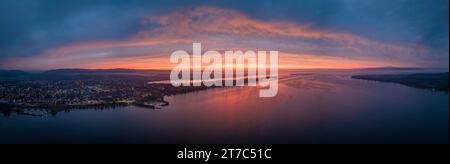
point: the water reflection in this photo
(325, 107)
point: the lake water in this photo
(311, 107)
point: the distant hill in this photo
(394, 68)
(94, 74)
(13, 73)
(104, 72)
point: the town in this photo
(54, 95)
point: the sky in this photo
(141, 34)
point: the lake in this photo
(311, 107)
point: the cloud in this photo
(224, 29)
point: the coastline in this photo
(157, 103)
(432, 81)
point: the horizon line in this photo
(168, 69)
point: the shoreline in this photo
(158, 103)
(53, 110)
(430, 81)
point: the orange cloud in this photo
(220, 29)
(214, 20)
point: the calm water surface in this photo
(311, 107)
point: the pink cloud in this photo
(220, 29)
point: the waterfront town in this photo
(55, 95)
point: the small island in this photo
(434, 81)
